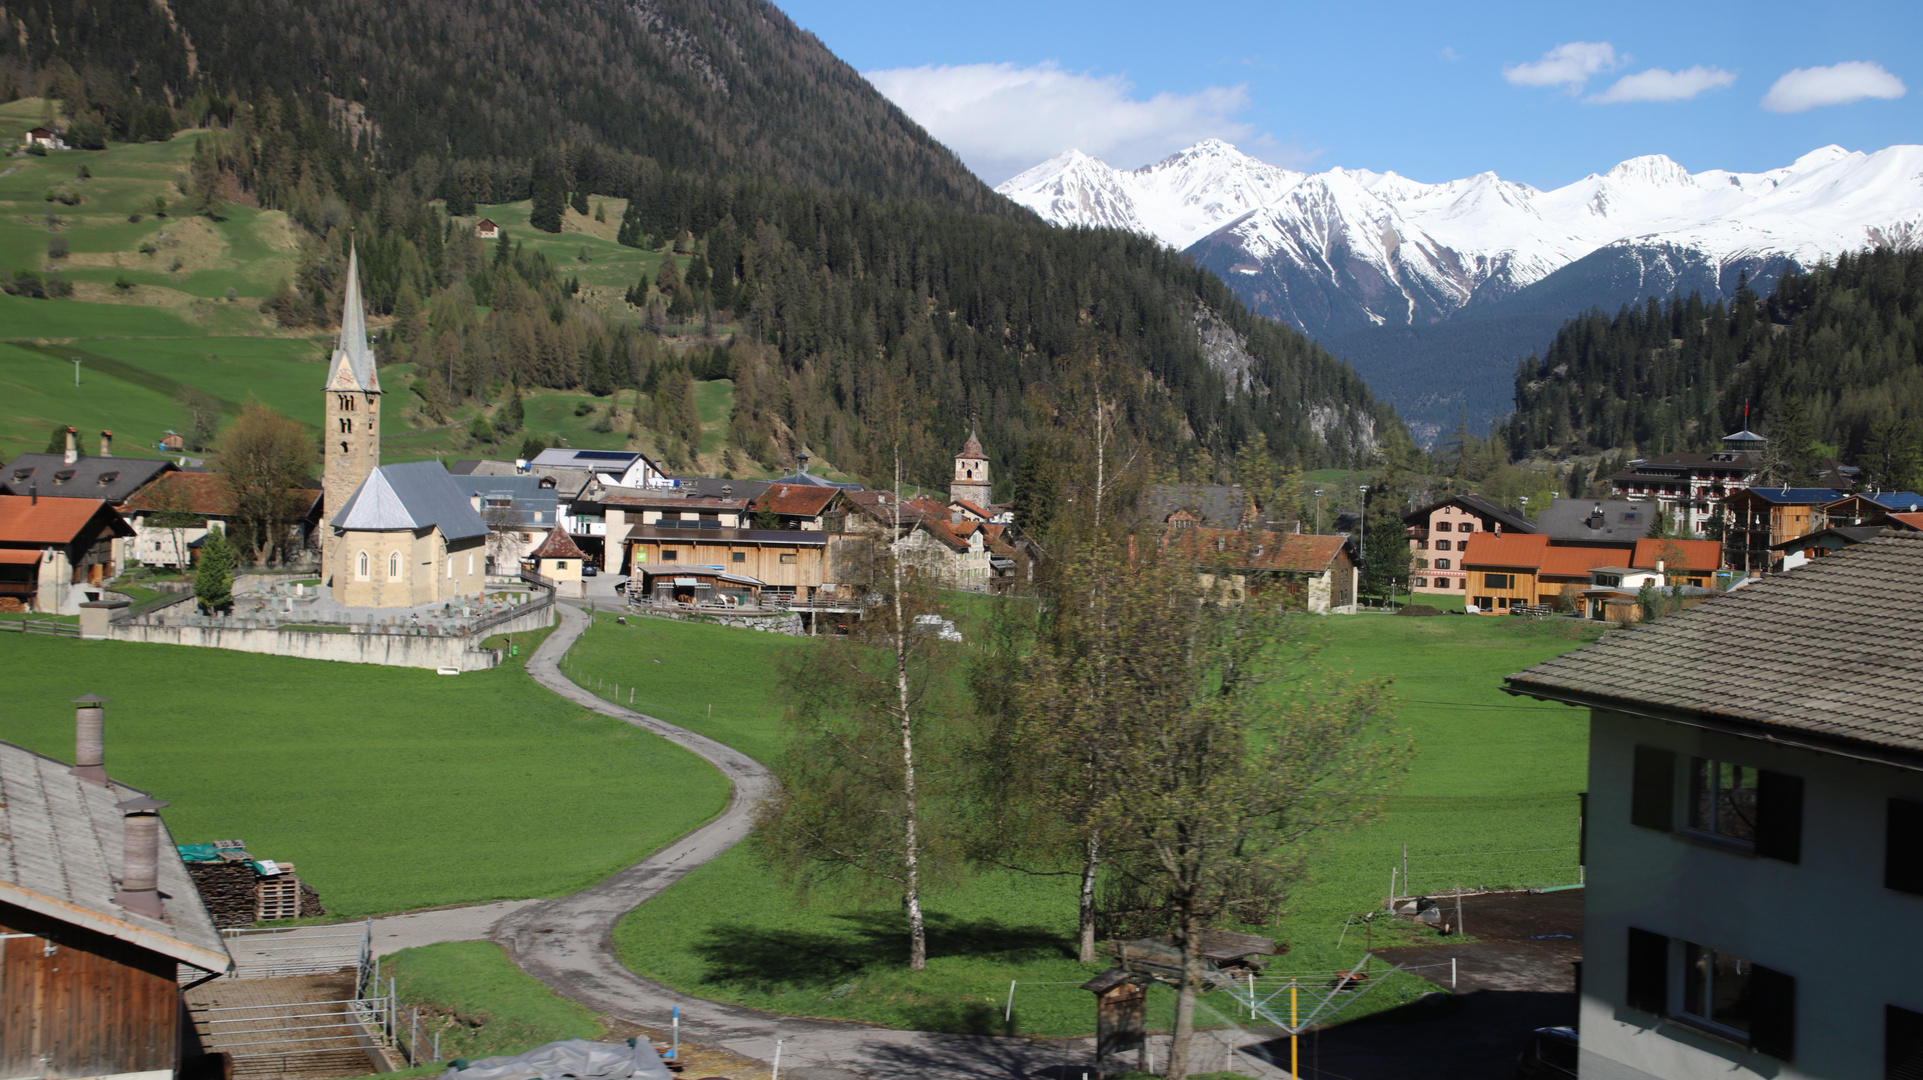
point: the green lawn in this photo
(1494, 775)
(480, 1003)
(390, 788)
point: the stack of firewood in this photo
(227, 888)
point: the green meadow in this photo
(1494, 774)
(390, 789)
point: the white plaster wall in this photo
(1851, 943)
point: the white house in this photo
(1755, 806)
(615, 468)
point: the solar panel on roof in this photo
(603, 455)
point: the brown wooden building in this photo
(94, 931)
(786, 561)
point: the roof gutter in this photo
(1853, 749)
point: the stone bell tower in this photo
(971, 473)
(351, 436)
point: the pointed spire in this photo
(353, 364)
(973, 447)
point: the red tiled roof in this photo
(798, 500)
(19, 556)
(955, 536)
(1251, 550)
(972, 448)
(52, 521)
(1909, 522)
(1534, 551)
(1678, 554)
(207, 494)
(929, 506)
(558, 545)
(973, 508)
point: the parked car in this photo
(1550, 1055)
(588, 570)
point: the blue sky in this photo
(1543, 93)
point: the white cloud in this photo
(1002, 118)
(1838, 84)
(1568, 65)
(1449, 54)
(1659, 85)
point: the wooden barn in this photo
(98, 921)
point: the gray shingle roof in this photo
(1829, 654)
(1618, 521)
(61, 847)
(524, 494)
(1512, 518)
(109, 478)
(413, 495)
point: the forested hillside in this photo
(849, 321)
(479, 86)
(1839, 344)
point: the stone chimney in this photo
(803, 457)
(106, 444)
(90, 739)
(73, 447)
(955, 516)
(140, 875)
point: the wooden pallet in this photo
(279, 896)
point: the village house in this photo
(70, 476)
(792, 506)
(53, 550)
(1803, 549)
(1741, 813)
(1209, 506)
(519, 509)
(408, 537)
(622, 508)
(209, 501)
(485, 229)
(1689, 485)
(951, 551)
(558, 562)
(1438, 541)
(1761, 518)
(790, 562)
(1526, 570)
(1862, 507)
(615, 468)
(99, 923)
(44, 138)
(1319, 572)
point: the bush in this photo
(57, 248)
(86, 135)
(37, 150)
(31, 284)
(479, 430)
(148, 247)
(133, 219)
(123, 283)
(65, 195)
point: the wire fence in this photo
(1434, 874)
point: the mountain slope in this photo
(707, 86)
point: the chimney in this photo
(140, 875)
(954, 516)
(73, 449)
(90, 739)
(106, 444)
(803, 457)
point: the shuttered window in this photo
(1648, 972)
(1902, 1044)
(1653, 789)
(1772, 1013)
(1903, 847)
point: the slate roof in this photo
(1843, 535)
(529, 502)
(1621, 520)
(352, 366)
(1513, 519)
(568, 482)
(1790, 496)
(710, 487)
(111, 478)
(54, 521)
(558, 545)
(802, 479)
(608, 461)
(1223, 506)
(1828, 655)
(413, 495)
(62, 844)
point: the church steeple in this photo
(971, 473)
(352, 367)
(352, 429)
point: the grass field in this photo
(480, 1003)
(390, 788)
(1493, 775)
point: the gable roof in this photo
(412, 495)
(952, 535)
(794, 500)
(202, 493)
(1221, 505)
(1847, 620)
(1534, 551)
(352, 366)
(1613, 520)
(1683, 554)
(1908, 522)
(974, 508)
(62, 843)
(111, 478)
(884, 507)
(601, 461)
(1250, 550)
(1788, 496)
(55, 521)
(558, 545)
(1904, 501)
(1512, 518)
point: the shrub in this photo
(123, 283)
(479, 430)
(37, 150)
(133, 219)
(57, 248)
(148, 247)
(65, 195)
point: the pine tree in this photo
(550, 197)
(580, 203)
(214, 573)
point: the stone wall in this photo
(787, 622)
(391, 650)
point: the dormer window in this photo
(63, 476)
(108, 478)
(20, 475)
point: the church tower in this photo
(971, 473)
(352, 434)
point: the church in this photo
(397, 536)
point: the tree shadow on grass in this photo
(777, 961)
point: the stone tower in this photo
(971, 473)
(352, 433)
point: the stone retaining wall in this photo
(785, 623)
(391, 650)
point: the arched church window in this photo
(347, 402)
(394, 566)
(343, 448)
(347, 426)
(360, 566)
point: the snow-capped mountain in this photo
(1338, 250)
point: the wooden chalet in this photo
(790, 562)
(793, 506)
(485, 229)
(99, 922)
(51, 550)
(1761, 518)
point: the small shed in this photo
(697, 584)
(487, 230)
(45, 138)
(559, 560)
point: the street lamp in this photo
(1362, 528)
(1318, 511)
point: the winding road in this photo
(567, 944)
